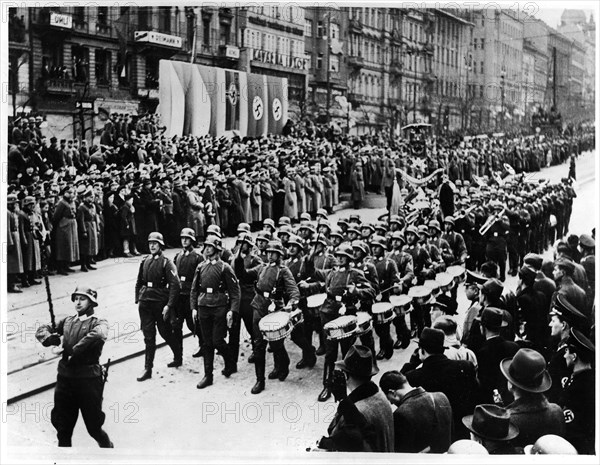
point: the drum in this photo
(401, 304)
(296, 317)
(419, 294)
(457, 272)
(434, 286)
(315, 300)
(445, 280)
(363, 323)
(340, 328)
(275, 326)
(383, 312)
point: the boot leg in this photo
(326, 392)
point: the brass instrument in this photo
(490, 221)
(464, 213)
(412, 217)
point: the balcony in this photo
(60, 86)
(355, 98)
(103, 28)
(356, 61)
(355, 26)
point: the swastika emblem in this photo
(277, 109)
(232, 94)
(257, 108)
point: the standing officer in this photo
(275, 285)
(344, 285)
(80, 381)
(215, 296)
(186, 261)
(495, 249)
(156, 290)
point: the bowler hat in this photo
(358, 361)
(490, 421)
(527, 370)
(533, 259)
(432, 340)
(87, 292)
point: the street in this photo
(167, 413)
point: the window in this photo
(320, 61)
(334, 31)
(308, 58)
(122, 68)
(144, 18)
(81, 63)
(308, 27)
(151, 72)
(475, 44)
(482, 44)
(334, 63)
(224, 33)
(103, 15)
(102, 67)
(320, 29)
(52, 61)
(79, 14)
(164, 19)
(206, 31)
(190, 29)
(481, 67)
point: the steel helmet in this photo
(361, 245)
(336, 231)
(246, 237)
(269, 222)
(295, 240)
(156, 237)
(284, 220)
(320, 238)
(263, 236)
(214, 241)
(87, 292)
(322, 212)
(344, 249)
(285, 229)
(324, 222)
(243, 227)
(398, 235)
(188, 232)
(412, 229)
(276, 246)
(378, 240)
(214, 229)
(305, 217)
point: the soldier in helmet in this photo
(276, 289)
(156, 291)
(80, 380)
(404, 263)
(214, 298)
(186, 261)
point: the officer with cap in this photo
(186, 261)
(578, 399)
(276, 289)
(563, 317)
(156, 291)
(80, 380)
(214, 298)
(496, 248)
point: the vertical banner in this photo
(171, 98)
(257, 105)
(211, 77)
(232, 101)
(278, 104)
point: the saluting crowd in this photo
(513, 373)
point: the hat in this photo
(550, 444)
(490, 421)
(492, 288)
(447, 304)
(566, 264)
(527, 371)
(432, 340)
(449, 220)
(264, 236)
(284, 220)
(86, 291)
(28, 200)
(214, 241)
(412, 229)
(527, 273)
(243, 227)
(295, 240)
(492, 318)
(567, 312)
(585, 240)
(156, 237)
(362, 246)
(434, 224)
(535, 260)
(423, 230)
(580, 342)
(245, 237)
(358, 361)
(275, 246)
(344, 249)
(188, 232)
(322, 212)
(269, 222)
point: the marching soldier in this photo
(156, 291)
(186, 261)
(275, 285)
(80, 380)
(387, 273)
(495, 249)
(215, 296)
(404, 264)
(456, 242)
(344, 285)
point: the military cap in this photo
(585, 240)
(566, 264)
(567, 312)
(492, 287)
(580, 342)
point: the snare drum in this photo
(296, 317)
(434, 286)
(419, 294)
(275, 326)
(401, 304)
(383, 312)
(445, 280)
(340, 328)
(315, 300)
(363, 323)
(457, 272)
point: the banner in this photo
(200, 100)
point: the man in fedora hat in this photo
(578, 399)
(491, 426)
(80, 380)
(437, 373)
(363, 421)
(531, 412)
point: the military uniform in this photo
(215, 291)
(387, 273)
(157, 285)
(186, 262)
(578, 402)
(495, 249)
(80, 382)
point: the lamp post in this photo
(328, 66)
(502, 100)
(467, 111)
